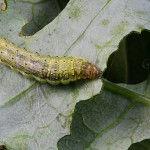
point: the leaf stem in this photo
(135, 97)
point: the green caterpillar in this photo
(53, 70)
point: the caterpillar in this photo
(53, 70)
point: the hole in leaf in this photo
(131, 62)
(143, 145)
(3, 147)
(42, 14)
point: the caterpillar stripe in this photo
(53, 70)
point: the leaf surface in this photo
(36, 116)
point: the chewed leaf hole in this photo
(42, 14)
(143, 145)
(3, 147)
(131, 62)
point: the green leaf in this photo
(37, 116)
(96, 117)
(109, 120)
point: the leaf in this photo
(108, 121)
(36, 116)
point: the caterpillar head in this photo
(90, 71)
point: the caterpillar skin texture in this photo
(53, 70)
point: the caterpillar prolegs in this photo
(53, 70)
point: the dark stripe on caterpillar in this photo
(53, 70)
